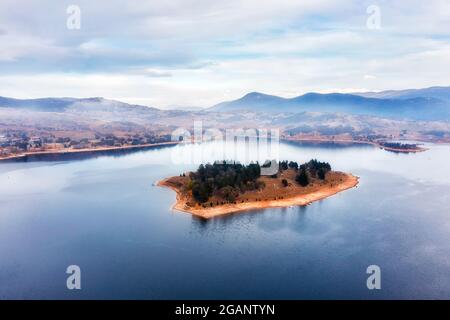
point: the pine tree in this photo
(302, 178)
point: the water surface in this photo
(105, 215)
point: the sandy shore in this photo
(86, 150)
(350, 181)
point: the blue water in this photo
(105, 215)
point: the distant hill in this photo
(415, 104)
(253, 101)
(402, 106)
(72, 104)
(442, 93)
(44, 104)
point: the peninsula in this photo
(223, 187)
(396, 147)
(401, 147)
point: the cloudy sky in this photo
(201, 52)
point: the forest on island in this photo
(227, 180)
(398, 145)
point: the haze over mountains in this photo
(442, 93)
(410, 114)
(65, 104)
(419, 104)
(415, 104)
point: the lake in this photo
(105, 215)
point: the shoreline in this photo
(375, 144)
(85, 150)
(351, 181)
(418, 149)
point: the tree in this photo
(283, 165)
(302, 178)
(293, 165)
(200, 192)
(212, 178)
(229, 193)
(321, 174)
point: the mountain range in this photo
(65, 104)
(416, 104)
(442, 93)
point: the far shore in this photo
(418, 149)
(85, 150)
(321, 139)
(323, 192)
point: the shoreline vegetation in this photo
(398, 149)
(86, 150)
(401, 147)
(224, 188)
(394, 147)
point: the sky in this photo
(196, 53)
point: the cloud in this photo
(140, 33)
(154, 73)
(199, 52)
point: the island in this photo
(377, 141)
(401, 147)
(228, 187)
